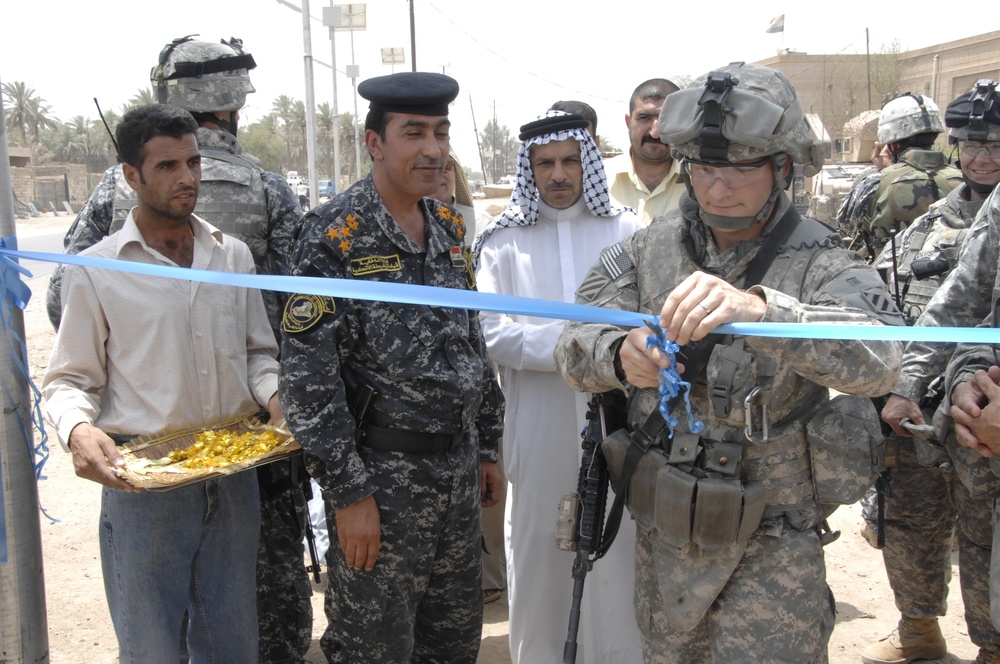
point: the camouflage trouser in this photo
(786, 574)
(284, 592)
(921, 515)
(423, 602)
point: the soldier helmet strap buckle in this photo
(982, 101)
(718, 87)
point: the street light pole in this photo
(310, 107)
(354, 81)
(331, 18)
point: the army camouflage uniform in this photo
(927, 496)
(694, 603)
(430, 372)
(259, 208)
(906, 190)
(965, 297)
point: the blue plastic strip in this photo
(16, 291)
(671, 383)
(445, 297)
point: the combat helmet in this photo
(975, 115)
(907, 115)
(203, 76)
(741, 112)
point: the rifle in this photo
(581, 524)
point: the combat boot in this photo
(913, 640)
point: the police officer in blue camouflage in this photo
(729, 557)
(395, 405)
(211, 80)
(932, 496)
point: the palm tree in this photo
(142, 97)
(283, 108)
(28, 111)
(79, 141)
(324, 137)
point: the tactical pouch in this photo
(846, 449)
(644, 490)
(732, 374)
(673, 515)
(717, 513)
(712, 512)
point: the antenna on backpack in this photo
(110, 133)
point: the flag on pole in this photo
(777, 24)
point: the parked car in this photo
(325, 188)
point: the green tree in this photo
(499, 150)
(325, 124)
(262, 139)
(79, 141)
(26, 112)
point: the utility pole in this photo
(413, 40)
(24, 631)
(868, 60)
(310, 108)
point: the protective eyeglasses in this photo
(732, 176)
(972, 148)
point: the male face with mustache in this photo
(644, 134)
(166, 180)
(558, 170)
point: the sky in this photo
(512, 58)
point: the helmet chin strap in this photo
(742, 223)
(230, 125)
(978, 187)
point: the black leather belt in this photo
(411, 442)
(120, 438)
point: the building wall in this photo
(836, 86)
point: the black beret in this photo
(421, 93)
(551, 125)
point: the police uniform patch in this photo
(340, 235)
(305, 311)
(372, 264)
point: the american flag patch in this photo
(616, 261)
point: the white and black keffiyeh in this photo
(523, 208)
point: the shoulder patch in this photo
(340, 231)
(616, 261)
(373, 264)
(451, 220)
(303, 312)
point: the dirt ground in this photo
(80, 629)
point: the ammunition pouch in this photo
(846, 449)
(732, 375)
(692, 493)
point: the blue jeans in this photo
(190, 549)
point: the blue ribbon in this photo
(446, 297)
(671, 382)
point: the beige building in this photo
(840, 87)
